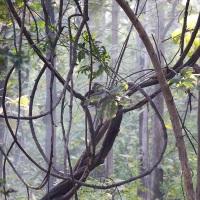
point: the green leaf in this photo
(41, 24)
(124, 101)
(176, 79)
(113, 109)
(19, 3)
(108, 109)
(81, 56)
(36, 6)
(18, 63)
(18, 58)
(186, 70)
(84, 69)
(189, 83)
(119, 88)
(2, 60)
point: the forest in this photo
(99, 100)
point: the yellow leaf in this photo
(191, 21)
(168, 126)
(187, 37)
(176, 34)
(196, 42)
(24, 101)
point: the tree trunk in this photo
(2, 127)
(157, 145)
(115, 11)
(144, 147)
(51, 96)
(143, 61)
(157, 138)
(143, 125)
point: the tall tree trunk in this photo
(157, 139)
(157, 145)
(2, 129)
(143, 61)
(115, 11)
(2, 69)
(51, 95)
(144, 151)
(157, 175)
(143, 125)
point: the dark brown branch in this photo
(184, 26)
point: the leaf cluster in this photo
(99, 55)
(108, 108)
(176, 34)
(185, 79)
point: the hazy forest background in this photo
(99, 99)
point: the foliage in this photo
(108, 108)
(185, 79)
(99, 53)
(93, 64)
(6, 192)
(176, 34)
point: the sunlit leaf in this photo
(168, 126)
(24, 101)
(188, 83)
(186, 70)
(176, 34)
(19, 3)
(191, 21)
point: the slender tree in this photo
(51, 95)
